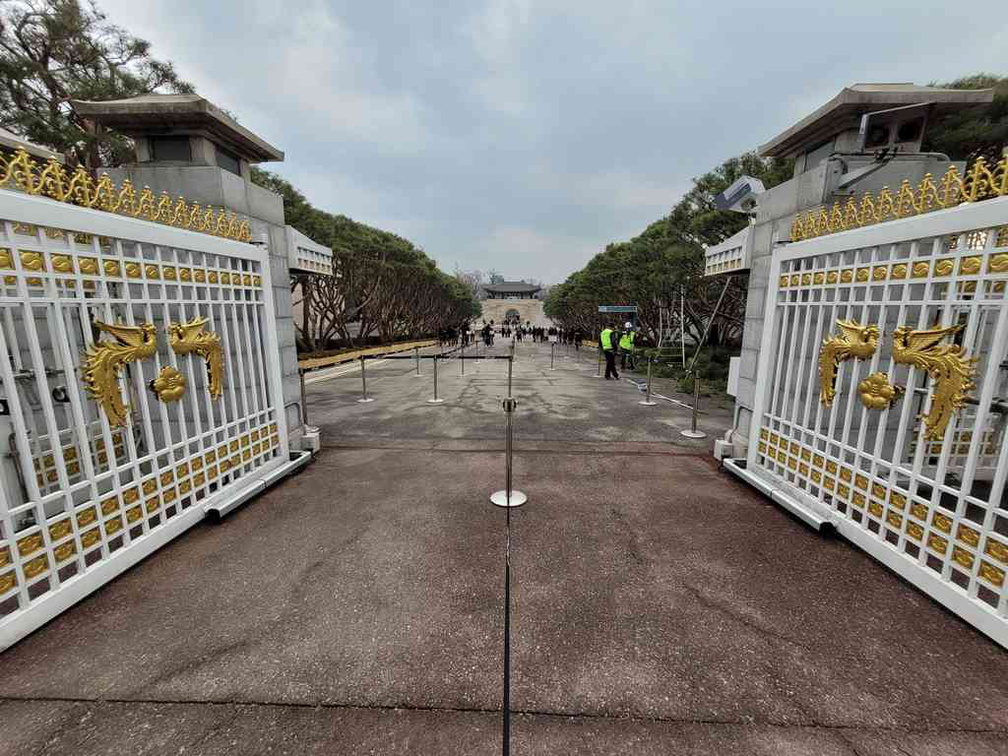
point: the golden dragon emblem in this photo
(104, 360)
(853, 340)
(946, 364)
(191, 337)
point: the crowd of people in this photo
(614, 341)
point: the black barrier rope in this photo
(507, 625)
(446, 356)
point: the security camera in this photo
(893, 129)
(740, 197)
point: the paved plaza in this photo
(660, 606)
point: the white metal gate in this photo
(140, 385)
(882, 395)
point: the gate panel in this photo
(139, 385)
(882, 396)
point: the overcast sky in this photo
(524, 135)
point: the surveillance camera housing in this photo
(899, 128)
(742, 196)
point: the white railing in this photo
(881, 398)
(176, 325)
(307, 255)
(730, 256)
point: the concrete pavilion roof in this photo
(164, 114)
(11, 141)
(517, 286)
(845, 110)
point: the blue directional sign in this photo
(618, 308)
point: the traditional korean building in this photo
(514, 302)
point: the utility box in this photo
(733, 374)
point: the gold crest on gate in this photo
(950, 370)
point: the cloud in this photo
(522, 252)
(526, 134)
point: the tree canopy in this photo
(381, 282)
(56, 51)
(971, 133)
(661, 269)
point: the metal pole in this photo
(508, 498)
(435, 400)
(416, 353)
(682, 322)
(304, 404)
(693, 432)
(710, 322)
(598, 368)
(552, 354)
(647, 402)
(508, 449)
(507, 628)
(363, 377)
(696, 403)
(462, 359)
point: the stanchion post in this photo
(416, 354)
(363, 378)
(462, 359)
(693, 432)
(552, 355)
(435, 400)
(507, 498)
(304, 404)
(647, 401)
(598, 368)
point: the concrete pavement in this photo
(660, 606)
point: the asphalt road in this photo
(659, 605)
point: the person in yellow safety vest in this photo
(626, 345)
(607, 343)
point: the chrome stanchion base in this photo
(645, 403)
(365, 401)
(500, 499)
(435, 401)
(693, 434)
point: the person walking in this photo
(626, 345)
(607, 343)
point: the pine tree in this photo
(56, 51)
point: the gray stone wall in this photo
(530, 310)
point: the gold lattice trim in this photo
(980, 183)
(53, 181)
